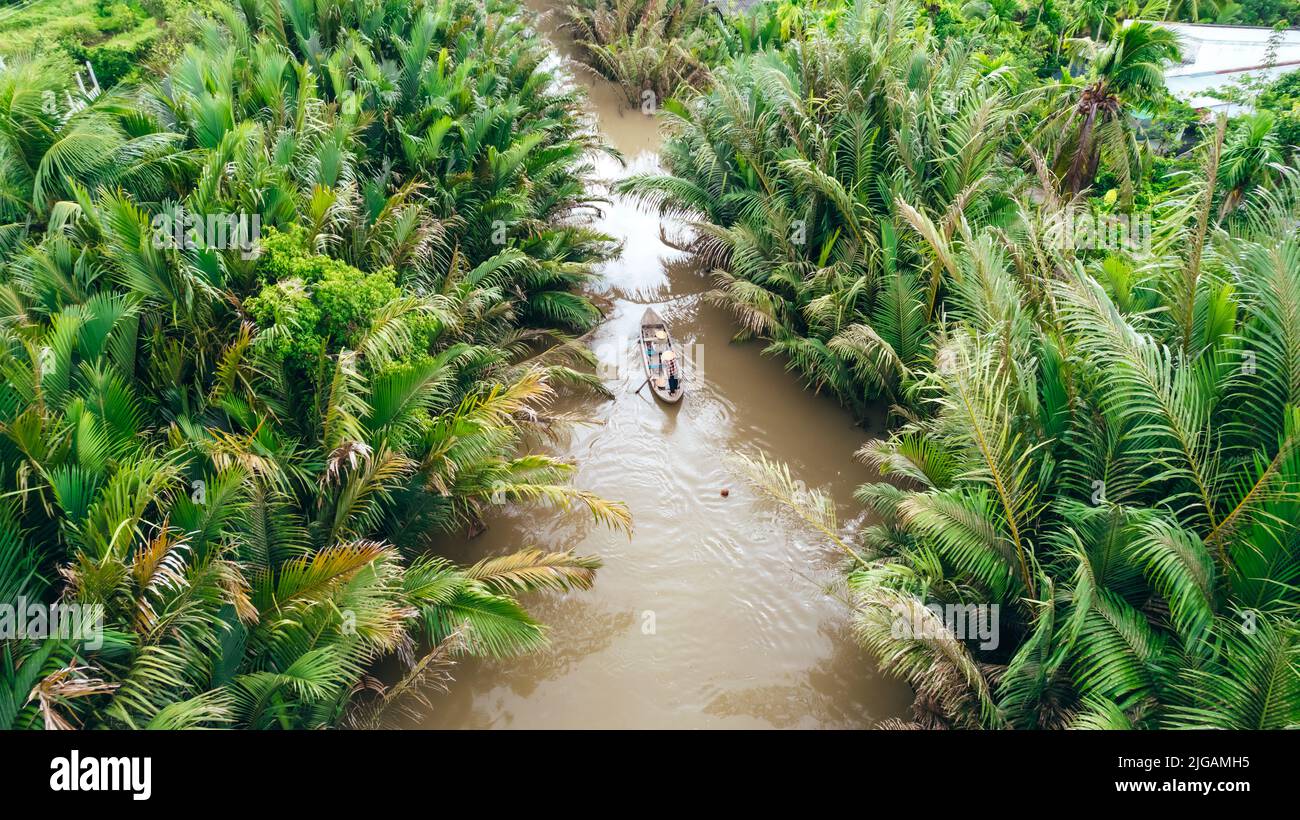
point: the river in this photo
(716, 613)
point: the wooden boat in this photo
(661, 356)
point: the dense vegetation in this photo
(120, 38)
(1098, 439)
(243, 452)
(670, 47)
(662, 47)
(1281, 100)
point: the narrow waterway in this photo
(715, 613)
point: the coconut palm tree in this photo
(1125, 72)
(1191, 10)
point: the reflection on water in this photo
(715, 613)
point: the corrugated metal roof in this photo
(1216, 56)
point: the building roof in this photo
(1215, 56)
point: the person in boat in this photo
(669, 360)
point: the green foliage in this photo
(112, 63)
(119, 39)
(321, 304)
(1257, 12)
(659, 49)
(1282, 98)
(653, 46)
(805, 168)
(1101, 442)
(244, 458)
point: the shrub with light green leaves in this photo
(323, 304)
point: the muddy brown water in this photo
(716, 612)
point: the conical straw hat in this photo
(659, 334)
(668, 356)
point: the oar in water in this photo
(637, 391)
